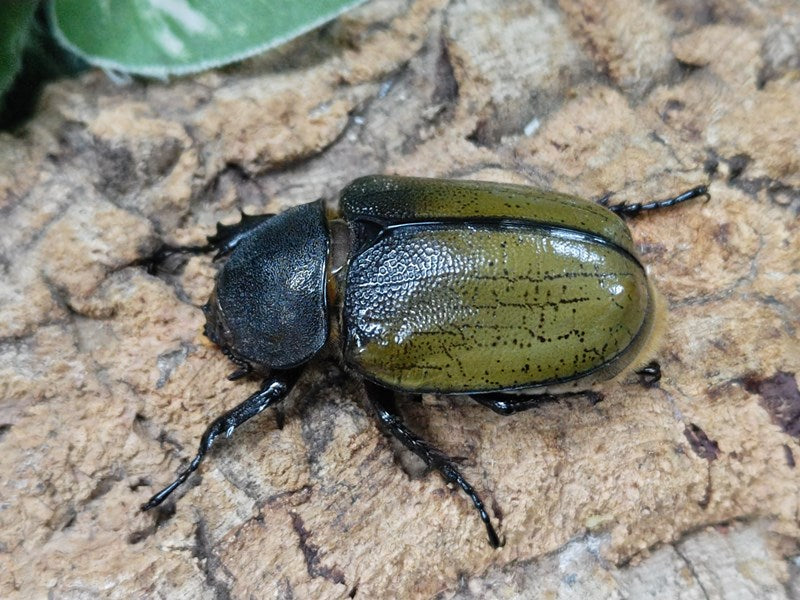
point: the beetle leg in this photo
(509, 404)
(245, 368)
(272, 391)
(650, 374)
(228, 236)
(631, 210)
(381, 401)
(223, 241)
(165, 251)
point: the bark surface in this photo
(107, 381)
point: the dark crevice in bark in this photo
(210, 563)
(312, 554)
(693, 571)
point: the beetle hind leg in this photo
(508, 404)
(272, 391)
(381, 400)
(631, 210)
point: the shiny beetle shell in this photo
(465, 287)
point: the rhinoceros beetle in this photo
(506, 293)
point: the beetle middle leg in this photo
(631, 210)
(272, 391)
(508, 404)
(382, 401)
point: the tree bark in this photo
(107, 381)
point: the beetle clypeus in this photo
(507, 293)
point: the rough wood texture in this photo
(107, 381)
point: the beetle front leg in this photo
(152, 262)
(272, 391)
(381, 401)
(226, 238)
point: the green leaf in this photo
(163, 37)
(15, 23)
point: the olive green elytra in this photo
(476, 287)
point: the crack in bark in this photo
(706, 499)
(703, 446)
(737, 165)
(275, 499)
(789, 455)
(146, 429)
(311, 553)
(210, 563)
(24, 248)
(780, 398)
(105, 484)
(692, 570)
(163, 513)
(445, 91)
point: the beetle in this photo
(506, 293)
